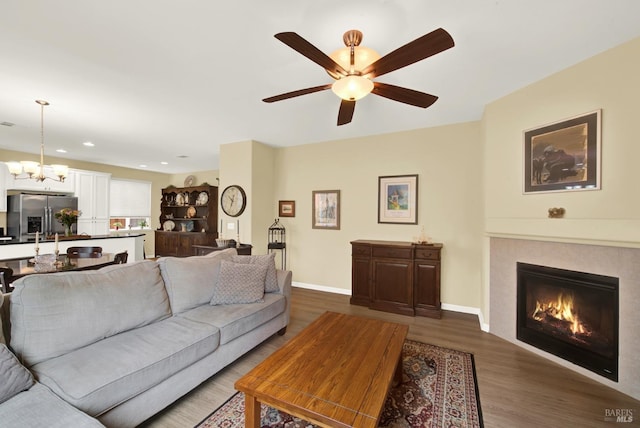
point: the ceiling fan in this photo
(354, 68)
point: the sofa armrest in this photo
(284, 281)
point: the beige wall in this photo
(609, 82)
(610, 216)
(236, 168)
(448, 161)
(250, 165)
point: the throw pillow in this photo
(190, 280)
(14, 377)
(239, 283)
(268, 260)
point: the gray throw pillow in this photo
(268, 260)
(14, 377)
(239, 283)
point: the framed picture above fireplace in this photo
(563, 156)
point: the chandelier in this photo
(35, 170)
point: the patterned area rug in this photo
(438, 389)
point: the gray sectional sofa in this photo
(117, 345)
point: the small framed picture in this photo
(326, 209)
(398, 199)
(287, 208)
(563, 156)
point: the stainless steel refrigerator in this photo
(28, 214)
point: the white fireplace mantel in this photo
(623, 233)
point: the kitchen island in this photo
(133, 243)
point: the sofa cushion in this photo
(54, 314)
(268, 260)
(14, 377)
(102, 375)
(236, 320)
(239, 283)
(190, 280)
(39, 407)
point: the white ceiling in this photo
(153, 80)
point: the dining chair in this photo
(121, 257)
(84, 252)
(5, 279)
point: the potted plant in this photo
(67, 217)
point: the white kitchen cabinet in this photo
(4, 176)
(49, 185)
(92, 190)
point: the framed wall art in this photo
(287, 208)
(398, 199)
(326, 209)
(563, 156)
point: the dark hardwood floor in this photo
(517, 388)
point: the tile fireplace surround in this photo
(623, 263)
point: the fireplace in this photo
(573, 315)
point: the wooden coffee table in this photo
(336, 372)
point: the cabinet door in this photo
(360, 286)
(102, 183)
(392, 286)
(4, 177)
(166, 244)
(427, 288)
(92, 190)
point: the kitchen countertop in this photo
(7, 240)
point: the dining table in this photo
(27, 265)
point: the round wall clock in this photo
(233, 200)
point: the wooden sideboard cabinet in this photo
(399, 277)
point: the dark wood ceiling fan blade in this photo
(297, 43)
(297, 93)
(422, 47)
(346, 112)
(403, 95)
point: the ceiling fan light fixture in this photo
(352, 88)
(362, 56)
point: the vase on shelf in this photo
(67, 230)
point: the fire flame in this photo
(561, 309)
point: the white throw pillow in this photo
(239, 283)
(268, 260)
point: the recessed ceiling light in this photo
(164, 163)
(61, 151)
(88, 144)
(142, 166)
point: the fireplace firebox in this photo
(573, 315)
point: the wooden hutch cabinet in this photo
(188, 217)
(398, 277)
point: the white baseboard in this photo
(321, 288)
(445, 306)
